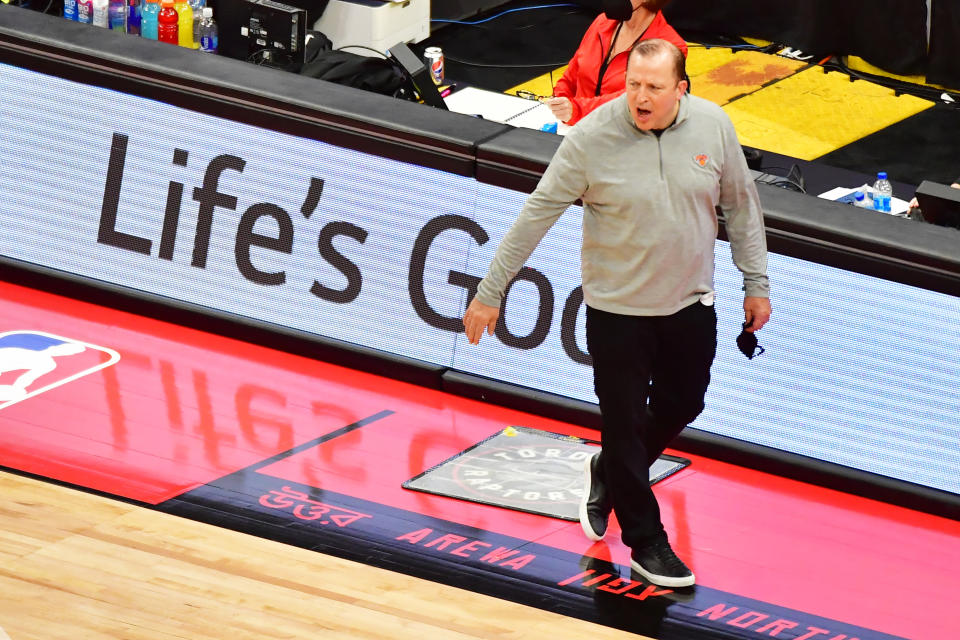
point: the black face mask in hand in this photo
(747, 342)
(619, 10)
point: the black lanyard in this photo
(609, 57)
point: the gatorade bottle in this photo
(85, 11)
(133, 17)
(148, 19)
(167, 23)
(70, 9)
(184, 23)
(101, 13)
(117, 15)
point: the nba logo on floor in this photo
(32, 362)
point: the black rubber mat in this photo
(525, 470)
(911, 151)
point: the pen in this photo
(448, 91)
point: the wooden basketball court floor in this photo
(169, 483)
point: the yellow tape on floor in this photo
(720, 75)
(812, 113)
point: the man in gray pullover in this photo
(650, 168)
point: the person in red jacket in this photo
(596, 72)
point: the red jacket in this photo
(579, 82)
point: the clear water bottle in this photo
(860, 200)
(882, 193)
(70, 9)
(208, 32)
(197, 6)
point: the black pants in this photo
(650, 374)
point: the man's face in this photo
(653, 91)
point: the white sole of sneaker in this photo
(582, 512)
(663, 581)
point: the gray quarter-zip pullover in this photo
(649, 210)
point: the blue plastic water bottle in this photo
(882, 193)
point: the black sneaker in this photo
(595, 504)
(661, 566)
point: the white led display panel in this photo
(352, 248)
(342, 244)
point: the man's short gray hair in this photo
(656, 46)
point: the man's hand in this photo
(561, 108)
(912, 208)
(756, 312)
(478, 317)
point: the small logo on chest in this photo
(701, 159)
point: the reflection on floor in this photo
(314, 455)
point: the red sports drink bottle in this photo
(167, 30)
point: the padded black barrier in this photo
(243, 92)
(864, 241)
(798, 225)
(516, 159)
(892, 34)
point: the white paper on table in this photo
(897, 206)
(498, 107)
(503, 108)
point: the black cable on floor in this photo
(899, 86)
